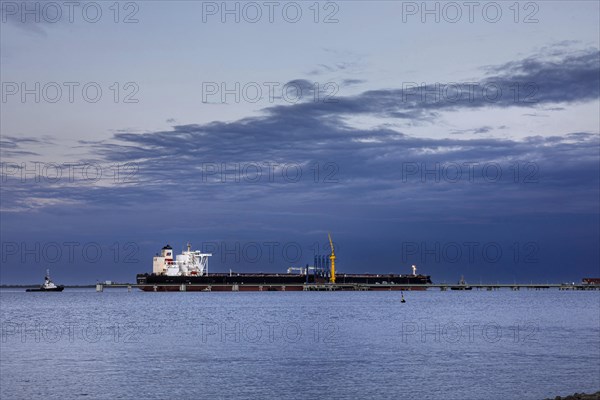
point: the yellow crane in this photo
(332, 258)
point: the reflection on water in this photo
(437, 345)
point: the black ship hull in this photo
(279, 282)
(56, 289)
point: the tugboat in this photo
(462, 285)
(48, 285)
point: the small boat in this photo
(48, 285)
(462, 285)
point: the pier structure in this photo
(348, 287)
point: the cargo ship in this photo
(188, 271)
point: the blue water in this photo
(350, 345)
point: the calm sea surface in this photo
(351, 345)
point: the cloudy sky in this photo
(460, 138)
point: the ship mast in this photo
(332, 258)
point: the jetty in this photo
(328, 287)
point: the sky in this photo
(459, 137)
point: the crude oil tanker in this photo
(188, 271)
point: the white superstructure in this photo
(48, 284)
(188, 263)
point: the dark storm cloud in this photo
(11, 146)
(301, 131)
(371, 163)
(483, 129)
(566, 78)
(350, 82)
(530, 82)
